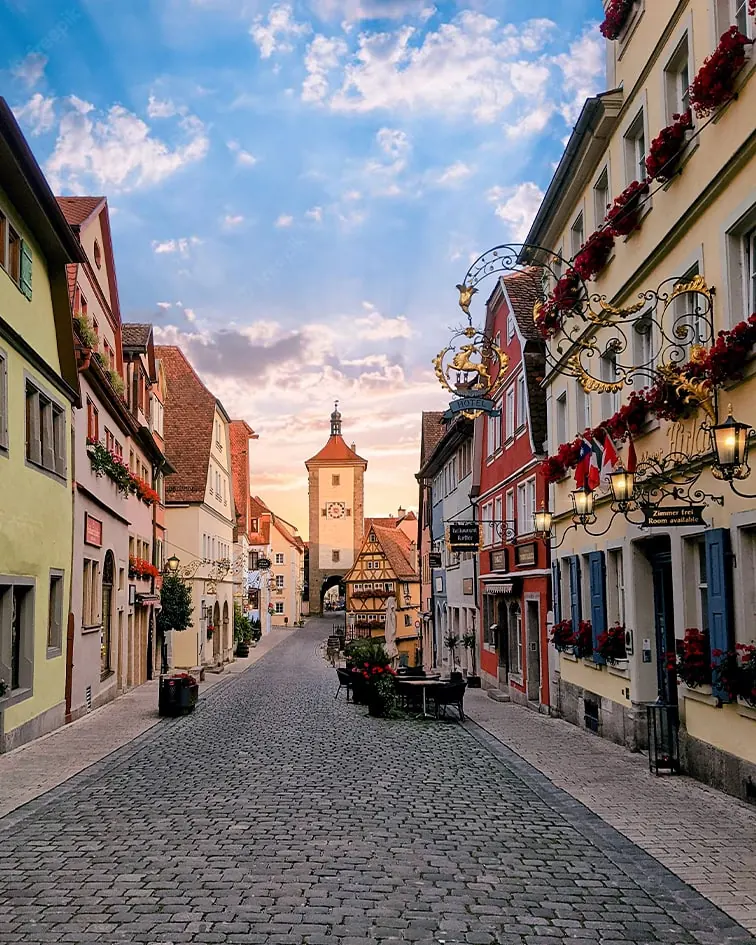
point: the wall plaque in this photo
(92, 530)
(674, 517)
(525, 555)
(467, 585)
(499, 560)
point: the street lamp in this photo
(542, 520)
(729, 441)
(583, 501)
(622, 484)
(172, 565)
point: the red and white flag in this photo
(609, 459)
(632, 462)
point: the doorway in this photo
(660, 557)
(502, 636)
(108, 570)
(533, 626)
(226, 641)
(217, 632)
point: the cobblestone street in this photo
(277, 814)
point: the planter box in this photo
(176, 696)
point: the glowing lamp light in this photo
(622, 484)
(583, 502)
(172, 565)
(542, 520)
(729, 441)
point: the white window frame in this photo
(279, 607)
(498, 516)
(561, 420)
(279, 558)
(526, 500)
(602, 195)
(279, 581)
(509, 399)
(509, 510)
(677, 80)
(510, 327)
(486, 517)
(635, 146)
(521, 400)
(577, 234)
(583, 406)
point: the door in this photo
(661, 564)
(216, 632)
(502, 637)
(533, 625)
(106, 642)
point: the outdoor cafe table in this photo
(424, 684)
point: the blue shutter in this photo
(26, 270)
(575, 603)
(597, 569)
(719, 580)
(556, 592)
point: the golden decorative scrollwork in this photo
(612, 311)
(589, 383)
(693, 392)
(466, 293)
(467, 369)
(697, 284)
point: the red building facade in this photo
(514, 563)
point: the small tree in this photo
(176, 604)
(468, 642)
(452, 642)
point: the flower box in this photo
(665, 153)
(624, 214)
(616, 17)
(714, 83)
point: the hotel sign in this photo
(674, 517)
(476, 405)
(92, 531)
(463, 536)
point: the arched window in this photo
(108, 571)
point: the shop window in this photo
(17, 633)
(55, 614)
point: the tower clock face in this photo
(336, 510)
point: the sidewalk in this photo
(45, 763)
(705, 837)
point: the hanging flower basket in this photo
(594, 255)
(663, 159)
(564, 298)
(714, 83)
(610, 644)
(624, 215)
(617, 15)
(562, 637)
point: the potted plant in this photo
(583, 642)
(562, 637)
(381, 692)
(363, 658)
(242, 632)
(210, 631)
(468, 642)
(451, 642)
(178, 693)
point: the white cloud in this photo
(182, 245)
(533, 122)
(161, 108)
(516, 206)
(31, 69)
(243, 158)
(352, 195)
(163, 305)
(232, 220)
(374, 327)
(190, 315)
(583, 68)
(315, 214)
(352, 10)
(453, 174)
(323, 56)
(117, 151)
(38, 114)
(284, 220)
(275, 33)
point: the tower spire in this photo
(336, 420)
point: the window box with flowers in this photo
(666, 151)
(610, 646)
(714, 84)
(562, 301)
(734, 673)
(616, 18)
(595, 254)
(105, 463)
(692, 661)
(624, 216)
(141, 568)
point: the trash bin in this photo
(177, 694)
(663, 740)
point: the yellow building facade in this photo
(383, 587)
(38, 385)
(693, 227)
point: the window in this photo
(601, 197)
(464, 458)
(14, 255)
(3, 238)
(279, 580)
(615, 588)
(687, 325)
(635, 149)
(254, 557)
(510, 511)
(702, 595)
(522, 401)
(577, 235)
(610, 403)
(279, 558)
(498, 515)
(335, 480)
(279, 607)
(55, 615)
(515, 639)
(217, 433)
(677, 81)
(487, 519)
(408, 620)
(17, 633)
(45, 431)
(643, 342)
(525, 507)
(3, 401)
(335, 556)
(90, 610)
(494, 436)
(739, 17)
(749, 271)
(561, 421)
(510, 412)
(510, 327)
(583, 401)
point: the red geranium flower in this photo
(616, 16)
(714, 83)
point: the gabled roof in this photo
(189, 416)
(258, 510)
(396, 545)
(336, 451)
(433, 429)
(136, 335)
(524, 290)
(78, 210)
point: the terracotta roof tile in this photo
(433, 429)
(336, 450)
(72, 274)
(240, 435)
(397, 548)
(136, 335)
(524, 290)
(78, 209)
(390, 522)
(189, 416)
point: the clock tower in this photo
(337, 494)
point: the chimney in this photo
(354, 447)
(401, 513)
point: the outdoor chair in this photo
(452, 694)
(345, 682)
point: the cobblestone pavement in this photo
(704, 836)
(43, 764)
(277, 814)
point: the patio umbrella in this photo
(390, 634)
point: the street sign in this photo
(674, 516)
(434, 559)
(417, 625)
(463, 536)
(263, 564)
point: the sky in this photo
(296, 188)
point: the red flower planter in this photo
(667, 148)
(624, 215)
(594, 255)
(617, 14)
(714, 83)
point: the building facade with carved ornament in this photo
(657, 215)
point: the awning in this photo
(148, 599)
(504, 587)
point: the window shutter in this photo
(597, 569)
(26, 270)
(575, 603)
(556, 601)
(719, 580)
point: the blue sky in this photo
(297, 187)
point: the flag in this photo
(594, 470)
(632, 461)
(609, 459)
(584, 463)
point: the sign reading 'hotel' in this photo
(463, 536)
(671, 517)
